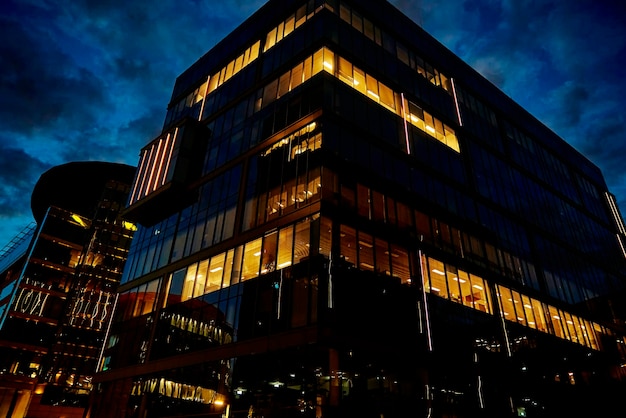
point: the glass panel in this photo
(329, 61)
(285, 247)
(270, 40)
(580, 332)
(453, 284)
(372, 87)
(437, 278)
(307, 68)
(386, 97)
(289, 25)
(283, 84)
(390, 210)
(151, 295)
(363, 196)
(519, 307)
(251, 259)
(238, 64)
(357, 21)
(190, 278)
(216, 269)
(268, 258)
(302, 241)
(569, 322)
(557, 325)
(359, 81)
(400, 264)
(366, 251)
(528, 310)
(368, 29)
(269, 92)
(345, 71)
(177, 281)
(279, 31)
(229, 70)
(589, 332)
(539, 316)
(378, 206)
(199, 285)
(325, 236)
(301, 15)
(382, 257)
(296, 76)
(254, 50)
(228, 268)
(318, 62)
(506, 303)
(468, 293)
(347, 244)
(482, 299)
(344, 13)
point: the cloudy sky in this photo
(90, 79)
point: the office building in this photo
(342, 218)
(57, 289)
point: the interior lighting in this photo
(371, 93)
(328, 65)
(216, 269)
(439, 272)
(78, 220)
(430, 129)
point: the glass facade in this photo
(371, 230)
(57, 299)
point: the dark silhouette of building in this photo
(57, 284)
(341, 218)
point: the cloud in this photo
(19, 173)
(91, 79)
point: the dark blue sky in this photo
(91, 79)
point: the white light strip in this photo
(149, 167)
(406, 129)
(615, 211)
(142, 160)
(427, 317)
(159, 181)
(456, 101)
(206, 89)
(504, 330)
(169, 157)
(621, 245)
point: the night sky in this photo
(91, 79)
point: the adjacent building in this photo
(342, 218)
(57, 288)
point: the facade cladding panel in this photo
(370, 229)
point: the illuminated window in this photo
(437, 274)
(215, 272)
(251, 260)
(285, 247)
